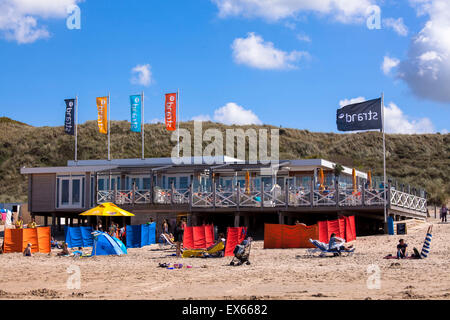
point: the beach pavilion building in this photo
(223, 191)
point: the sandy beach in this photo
(273, 274)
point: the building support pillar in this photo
(237, 218)
(247, 221)
(53, 223)
(280, 218)
(45, 221)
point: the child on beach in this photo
(401, 249)
(27, 251)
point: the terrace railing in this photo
(202, 199)
(408, 201)
(105, 196)
(274, 197)
(348, 197)
(299, 197)
(324, 197)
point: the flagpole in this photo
(109, 127)
(384, 158)
(76, 128)
(178, 121)
(142, 125)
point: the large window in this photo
(70, 191)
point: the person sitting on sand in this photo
(27, 251)
(54, 244)
(65, 251)
(401, 249)
(337, 243)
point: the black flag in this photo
(360, 116)
(69, 122)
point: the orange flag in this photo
(171, 111)
(102, 107)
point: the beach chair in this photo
(426, 243)
(211, 251)
(323, 249)
(166, 241)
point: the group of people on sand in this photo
(19, 223)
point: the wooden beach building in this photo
(223, 191)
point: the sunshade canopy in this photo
(107, 209)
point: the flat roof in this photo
(222, 163)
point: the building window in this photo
(70, 191)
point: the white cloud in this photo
(19, 18)
(397, 25)
(142, 75)
(389, 64)
(230, 114)
(272, 10)
(426, 70)
(346, 102)
(253, 51)
(397, 122)
(303, 37)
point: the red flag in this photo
(171, 111)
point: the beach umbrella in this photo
(107, 209)
(247, 182)
(355, 187)
(321, 179)
(369, 179)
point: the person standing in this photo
(178, 237)
(19, 223)
(444, 211)
(165, 227)
(32, 224)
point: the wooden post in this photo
(171, 193)
(115, 193)
(96, 189)
(247, 220)
(46, 221)
(280, 218)
(133, 193)
(262, 194)
(214, 193)
(286, 194)
(151, 187)
(363, 195)
(237, 219)
(311, 194)
(53, 223)
(190, 197)
(238, 195)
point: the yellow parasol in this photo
(355, 188)
(321, 179)
(107, 209)
(247, 182)
(369, 179)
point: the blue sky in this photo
(189, 45)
